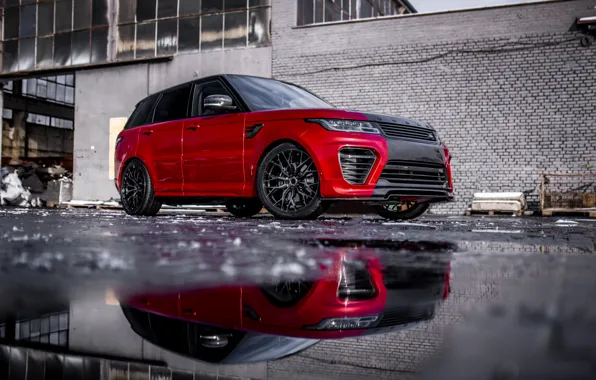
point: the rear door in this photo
(162, 140)
(213, 145)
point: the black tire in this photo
(413, 211)
(136, 192)
(244, 208)
(288, 174)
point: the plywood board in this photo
(116, 126)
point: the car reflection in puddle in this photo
(361, 293)
(367, 287)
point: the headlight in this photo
(345, 323)
(341, 125)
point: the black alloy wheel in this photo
(136, 192)
(402, 210)
(288, 183)
(286, 293)
(244, 208)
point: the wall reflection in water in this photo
(363, 291)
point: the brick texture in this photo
(510, 90)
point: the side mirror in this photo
(214, 341)
(219, 103)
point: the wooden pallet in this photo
(560, 211)
(470, 212)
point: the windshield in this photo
(263, 94)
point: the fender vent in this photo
(251, 131)
(356, 164)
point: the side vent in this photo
(251, 131)
(355, 282)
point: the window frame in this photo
(236, 98)
(171, 89)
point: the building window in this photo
(48, 329)
(56, 89)
(322, 11)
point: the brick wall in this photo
(510, 89)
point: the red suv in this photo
(252, 142)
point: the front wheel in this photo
(402, 211)
(243, 208)
(288, 183)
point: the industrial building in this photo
(510, 87)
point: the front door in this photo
(212, 147)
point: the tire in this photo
(244, 208)
(136, 180)
(288, 183)
(411, 212)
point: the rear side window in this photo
(140, 115)
(172, 105)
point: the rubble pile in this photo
(31, 185)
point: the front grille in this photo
(356, 164)
(405, 315)
(415, 173)
(355, 283)
(400, 131)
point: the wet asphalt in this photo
(537, 321)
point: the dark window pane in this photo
(11, 23)
(45, 325)
(63, 11)
(231, 5)
(99, 13)
(235, 29)
(69, 82)
(166, 37)
(365, 9)
(167, 8)
(260, 3)
(45, 50)
(62, 52)
(206, 89)
(126, 42)
(319, 10)
(82, 14)
(99, 45)
(188, 34)
(27, 54)
(212, 6)
(172, 105)
(28, 21)
(352, 9)
(54, 323)
(10, 56)
(45, 19)
(126, 10)
(51, 90)
(80, 47)
(62, 80)
(259, 32)
(211, 32)
(42, 89)
(27, 2)
(54, 338)
(145, 10)
(60, 91)
(145, 40)
(140, 115)
(305, 12)
(332, 11)
(345, 12)
(62, 337)
(44, 339)
(12, 2)
(188, 7)
(31, 87)
(24, 326)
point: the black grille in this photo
(404, 315)
(355, 283)
(400, 131)
(356, 164)
(415, 173)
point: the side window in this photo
(141, 114)
(172, 105)
(202, 91)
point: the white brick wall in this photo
(510, 90)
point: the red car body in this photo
(218, 156)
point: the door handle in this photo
(189, 312)
(148, 132)
(192, 127)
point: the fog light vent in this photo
(356, 164)
(355, 282)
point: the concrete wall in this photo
(510, 89)
(113, 92)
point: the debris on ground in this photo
(31, 185)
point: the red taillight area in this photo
(447, 288)
(448, 166)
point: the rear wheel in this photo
(288, 183)
(402, 210)
(136, 192)
(243, 208)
